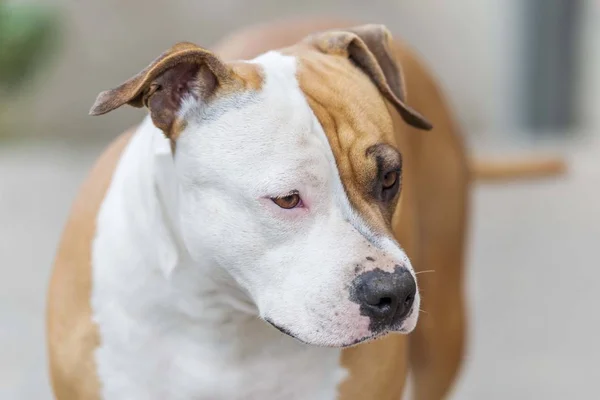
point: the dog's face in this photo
(288, 179)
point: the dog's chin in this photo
(379, 335)
(341, 344)
(403, 330)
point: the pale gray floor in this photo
(533, 276)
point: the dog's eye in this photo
(390, 184)
(389, 180)
(290, 201)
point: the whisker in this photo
(425, 272)
(423, 311)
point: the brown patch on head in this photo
(368, 48)
(249, 75)
(183, 71)
(347, 76)
(355, 118)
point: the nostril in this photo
(384, 302)
(404, 310)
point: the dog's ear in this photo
(368, 47)
(184, 71)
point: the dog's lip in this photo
(375, 336)
(284, 331)
(342, 346)
(362, 340)
(379, 335)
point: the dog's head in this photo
(288, 177)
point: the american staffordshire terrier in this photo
(258, 231)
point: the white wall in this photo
(470, 44)
(474, 47)
(589, 83)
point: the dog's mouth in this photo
(284, 331)
(369, 338)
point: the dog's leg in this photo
(378, 371)
(437, 189)
(436, 346)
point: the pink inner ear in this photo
(174, 84)
(179, 81)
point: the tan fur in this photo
(522, 168)
(351, 127)
(249, 74)
(430, 224)
(71, 334)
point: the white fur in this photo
(190, 252)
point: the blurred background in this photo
(522, 76)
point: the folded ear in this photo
(183, 71)
(368, 47)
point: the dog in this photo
(260, 234)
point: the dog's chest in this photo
(175, 368)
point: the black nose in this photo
(385, 297)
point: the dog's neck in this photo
(206, 292)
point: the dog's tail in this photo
(488, 170)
